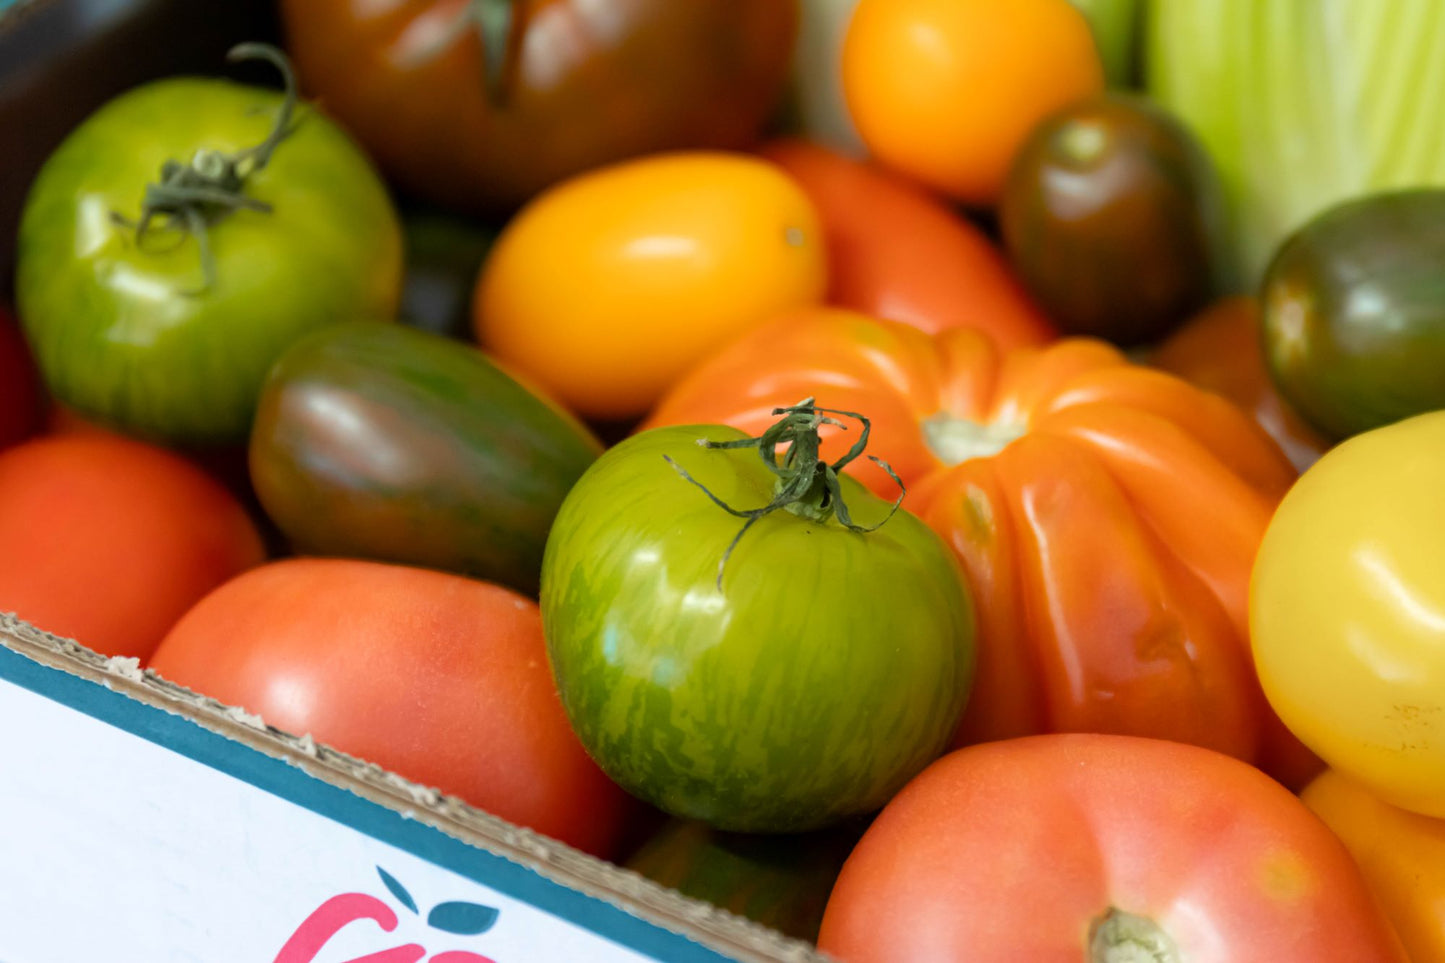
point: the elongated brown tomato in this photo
(384, 442)
(479, 104)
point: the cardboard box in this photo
(142, 822)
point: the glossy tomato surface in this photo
(109, 541)
(1345, 611)
(439, 678)
(480, 104)
(946, 91)
(379, 441)
(802, 684)
(606, 288)
(1107, 515)
(137, 334)
(897, 252)
(1098, 849)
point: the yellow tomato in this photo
(1402, 855)
(606, 288)
(947, 90)
(1347, 611)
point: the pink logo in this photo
(348, 909)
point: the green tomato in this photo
(824, 668)
(1353, 312)
(168, 333)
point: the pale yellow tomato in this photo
(1347, 611)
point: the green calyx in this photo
(1120, 937)
(498, 28)
(805, 485)
(190, 197)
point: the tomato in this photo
(167, 333)
(1111, 214)
(947, 90)
(1101, 849)
(439, 678)
(20, 396)
(1107, 515)
(480, 104)
(1354, 312)
(379, 441)
(743, 678)
(109, 540)
(1219, 349)
(1402, 855)
(781, 882)
(605, 288)
(1345, 611)
(896, 252)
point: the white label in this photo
(115, 848)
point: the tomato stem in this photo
(191, 197)
(1121, 937)
(497, 25)
(806, 485)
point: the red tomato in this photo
(896, 252)
(19, 386)
(109, 541)
(439, 678)
(1096, 848)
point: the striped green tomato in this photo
(824, 667)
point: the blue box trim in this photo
(282, 779)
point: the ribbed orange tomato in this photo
(1106, 514)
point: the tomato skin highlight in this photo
(129, 334)
(896, 252)
(439, 678)
(109, 540)
(1010, 852)
(829, 667)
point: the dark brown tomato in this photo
(1110, 215)
(479, 104)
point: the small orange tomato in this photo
(946, 91)
(1402, 855)
(606, 288)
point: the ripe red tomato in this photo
(109, 541)
(896, 252)
(19, 387)
(439, 678)
(1086, 848)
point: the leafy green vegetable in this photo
(1302, 103)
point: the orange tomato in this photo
(606, 288)
(439, 678)
(1220, 349)
(896, 252)
(1402, 855)
(1106, 514)
(109, 541)
(946, 91)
